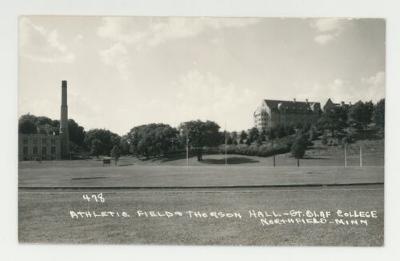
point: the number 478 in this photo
(96, 197)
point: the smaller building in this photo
(39, 147)
(46, 145)
(329, 105)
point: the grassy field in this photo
(50, 189)
(322, 165)
(44, 217)
(194, 176)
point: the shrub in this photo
(312, 134)
(263, 150)
(299, 146)
(324, 139)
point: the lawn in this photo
(50, 189)
(44, 217)
(64, 175)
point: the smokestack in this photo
(64, 134)
(64, 93)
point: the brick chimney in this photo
(64, 134)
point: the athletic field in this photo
(60, 202)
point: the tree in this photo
(234, 136)
(200, 134)
(299, 146)
(333, 120)
(96, 147)
(281, 131)
(271, 133)
(379, 114)
(43, 120)
(324, 139)
(76, 133)
(27, 124)
(153, 140)
(124, 145)
(74, 149)
(243, 137)
(263, 136)
(312, 133)
(56, 126)
(306, 127)
(290, 129)
(254, 134)
(106, 138)
(360, 114)
(115, 153)
(229, 139)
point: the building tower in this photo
(64, 135)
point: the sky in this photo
(128, 71)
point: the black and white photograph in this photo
(174, 130)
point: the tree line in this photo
(159, 140)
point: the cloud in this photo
(328, 29)
(324, 38)
(365, 89)
(147, 32)
(116, 56)
(338, 90)
(138, 33)
(78, 38)
(377, 80)
(343, 90)
(328, 24)
(120, 29)
(374, 86)
(206, 96)
(39, 44)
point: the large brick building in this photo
(39, 147)
(272, 113)
(47, 145)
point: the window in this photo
(44, 150)
(35, 150)
(25, 140)
(25, 151)
(53, 150)
(53, 141)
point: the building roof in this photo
(330, 104)
(292, 105)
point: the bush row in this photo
(279, 146)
